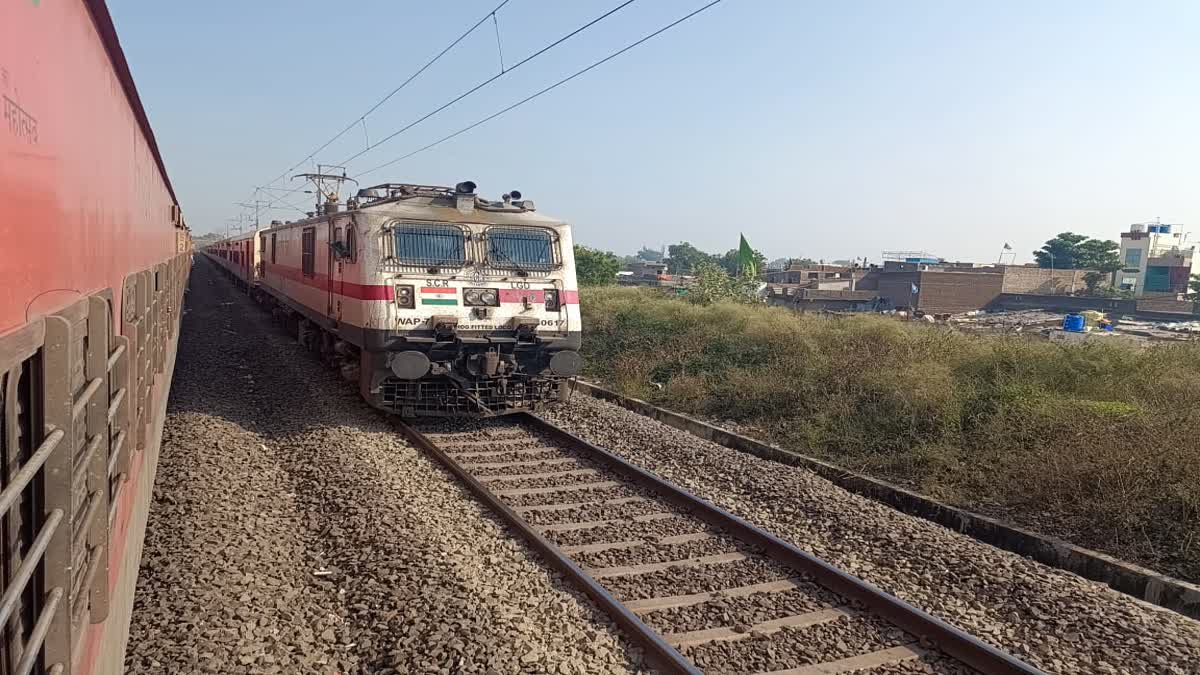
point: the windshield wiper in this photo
(520, 270)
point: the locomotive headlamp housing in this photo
(405, 298)
(480, 297)
(552, 300)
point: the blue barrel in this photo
(1074, 323)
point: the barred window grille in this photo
(524, 248)
(429, 245)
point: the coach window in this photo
(308, 261)
(272, 248)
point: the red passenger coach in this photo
(93, 264)
(239, 256)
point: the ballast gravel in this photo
(1055, 620)
(648, 552)
(793, 648)
(292, 531)
(592, 512)
(752, 609)
(665, 527)
(583, 494)
(700, 579)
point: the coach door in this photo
(336, 236)
(260, 271)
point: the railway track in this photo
(701, 590)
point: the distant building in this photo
(643, 273)
(800, 273)
(917, 257)
(818, 300)
(1156, 260)
(948, 288)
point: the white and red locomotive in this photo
(436, 301)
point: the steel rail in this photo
(963, 646)
(660, 654)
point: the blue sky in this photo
(828, 130)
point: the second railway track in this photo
(701, 590)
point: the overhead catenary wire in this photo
(362, 118)
(488, 81)
(548, 89)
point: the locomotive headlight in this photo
(480, 297)
(552, 300)
(404, 297)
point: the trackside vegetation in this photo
(1097, 443)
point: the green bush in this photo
(1100, 440)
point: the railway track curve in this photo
(698, 588)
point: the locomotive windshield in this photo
(433, 245)
(520, 248)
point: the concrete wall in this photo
(949, 292)
(1043, 281)
(940, 291)
(896, 287)
(1156, 309)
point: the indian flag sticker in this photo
(439, 296)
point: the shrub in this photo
(1100, 439)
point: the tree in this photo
(1102, 255)
(650, 255)
(1060, 251)
(714, 284)
(778, 264)
(1076, 251)
(1194, 283)
(594, 267)
(683, 258)
(730, 262)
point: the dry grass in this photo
(1097, 443)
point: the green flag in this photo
(746, 262)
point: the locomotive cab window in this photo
(308, 251)
(429, 245)
(273, 248)
(520, 248)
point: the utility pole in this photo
(231, 223)
(256, 205)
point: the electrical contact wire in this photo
(488, 81)
(548, 89)
(361, 118)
